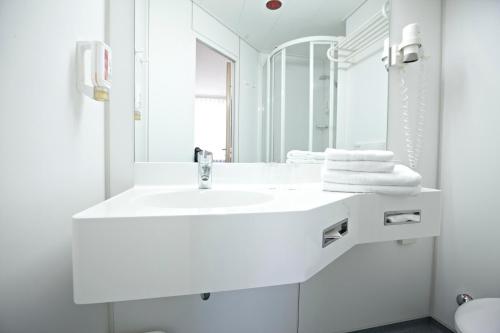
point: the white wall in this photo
(248, 104)
(211, 68)
(120, 108)
(141, 88)
(262, 310)
(371, 285)
(214, 33)
(362, 116)
(172, 51)
(362, 93)
(52, 148)
(467, 251)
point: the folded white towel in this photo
(400, 176)
(362, 166)
(358, 155)
(389, 190)
(312, 155)
(303, 161)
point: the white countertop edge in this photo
(288, 198)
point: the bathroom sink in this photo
(162, 241)
(192, 199)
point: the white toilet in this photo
(481, 315)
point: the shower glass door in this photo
(296, 98)
(301, 112)
(322, 83)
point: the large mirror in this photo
(250, 84)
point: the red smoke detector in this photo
(273, 4)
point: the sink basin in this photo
(204, 199)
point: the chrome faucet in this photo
(205, 159)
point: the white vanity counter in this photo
(188, 200)
(159, 241)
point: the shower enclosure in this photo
(300, 97)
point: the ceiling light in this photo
(273, 4)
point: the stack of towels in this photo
(305, 157)
(368, 171)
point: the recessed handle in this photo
(335, 232)
(402, 217)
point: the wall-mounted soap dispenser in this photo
(94, 69)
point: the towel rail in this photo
(362, 41)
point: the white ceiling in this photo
(265, 29)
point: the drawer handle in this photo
(402, 217)
(335, 232)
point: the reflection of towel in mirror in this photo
(305, 154)
(400, 176)
(362, 166)
(389, 190)
(358, 155)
